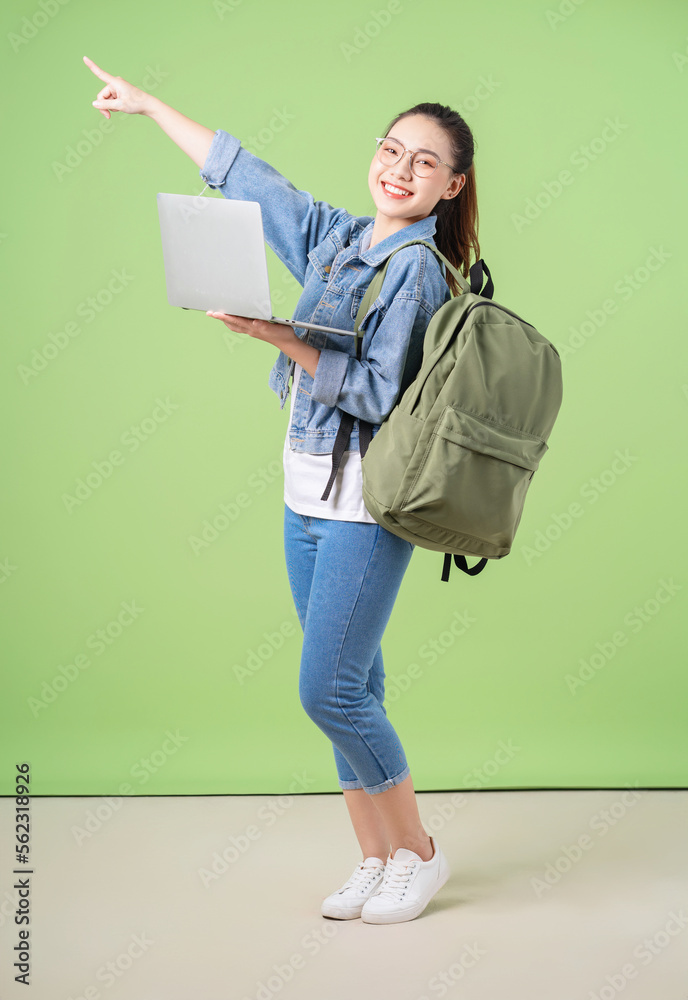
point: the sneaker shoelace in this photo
(396, 880)
(361, 878)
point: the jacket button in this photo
(327, 269)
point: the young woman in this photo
(344, 568)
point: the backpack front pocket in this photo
(474, 476)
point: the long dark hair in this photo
(456, 234)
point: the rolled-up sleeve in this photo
(293, 222)
(369, 388)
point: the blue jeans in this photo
(344, 577)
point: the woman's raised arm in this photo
(293, 221)
(118, 95)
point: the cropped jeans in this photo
(344, 578)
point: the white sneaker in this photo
(408, 885)
(347, 902)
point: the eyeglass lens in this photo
(422, 164)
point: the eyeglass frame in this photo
(384, 138)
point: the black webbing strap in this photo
(476, 278)
(462, 564)
(365, 436)
(340, 443)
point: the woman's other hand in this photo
(280, 334)
(274, 333)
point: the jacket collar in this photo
(424, 229)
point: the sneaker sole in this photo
(338, 913)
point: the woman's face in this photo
(414, 132)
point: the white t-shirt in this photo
(306, 476)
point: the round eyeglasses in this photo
(422, 162)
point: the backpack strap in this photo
(365, 435)
(365, 431)
(373, 289)
(371, 293)
(462, 564)
(340, 442)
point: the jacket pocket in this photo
(321, 258)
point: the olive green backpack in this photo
(450, 466)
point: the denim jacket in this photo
(327, 250)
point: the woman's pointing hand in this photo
(117, 94)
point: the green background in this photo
(538, 85)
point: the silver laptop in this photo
(214, 255)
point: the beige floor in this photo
(572, 895)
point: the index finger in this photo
(98, 71)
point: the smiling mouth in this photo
(395, 191)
